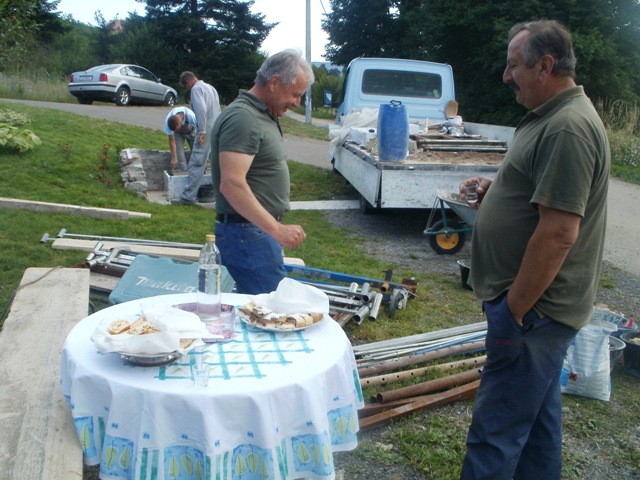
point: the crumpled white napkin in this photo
(173, 324)
(293, 297)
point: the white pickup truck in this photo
(440, 161)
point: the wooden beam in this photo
(39, 439)
(45, 207)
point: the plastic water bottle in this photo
(209, 272)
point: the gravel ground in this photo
(398, 237)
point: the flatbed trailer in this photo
(440, 163)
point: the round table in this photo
(277, 404)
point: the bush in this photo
(11, 136)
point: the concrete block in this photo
(174, 184)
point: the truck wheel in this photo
(365, 206)
(446, 243)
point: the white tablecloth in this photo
(276, 407)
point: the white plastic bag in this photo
(586, 366)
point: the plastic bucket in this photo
(631, 353)
(464, 274)
(393, 132)
(616, 346)
(206, 194)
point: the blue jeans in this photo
(516, 428)
(196, 168)
(253, 258)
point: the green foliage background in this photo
(471, 37)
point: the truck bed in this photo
(414, 182)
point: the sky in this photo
(289, 14)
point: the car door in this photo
(148, 88)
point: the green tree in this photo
(67, 51)
(471, 36)
(325, 80)
(16, 27)
(361, 29)
(141, 43)
(48, 24)
(216, 39)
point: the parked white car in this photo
(122, 84)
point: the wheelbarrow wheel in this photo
(446, 243)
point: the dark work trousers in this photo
(516, 428)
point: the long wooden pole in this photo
(47, 207)
(463, 392)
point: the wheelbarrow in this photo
(447, 235)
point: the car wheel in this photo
(85, 101)
(170, 99)
(122, 97)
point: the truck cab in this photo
(423, 87)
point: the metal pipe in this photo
(375, 306)
(463, 392)
(361, 314)
(334, 289)
(416, 347)
(63, 234)
(406, 374)
(429, 386)
(391, 365)
(412, 339)
(342, 309)
(345, 301)
(364, 291)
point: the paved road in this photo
(622, 247)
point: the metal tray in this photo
(155, 360)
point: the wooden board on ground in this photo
(103, 284)
(46, 207)
(39, 441)
(179, 253)
(89, 245)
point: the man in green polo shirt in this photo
(251, 176)
(535, 258)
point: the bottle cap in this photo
(210, 238)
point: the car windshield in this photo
(401, 83)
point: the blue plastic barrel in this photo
(393, 132)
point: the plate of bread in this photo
(265, 319)
(141, 326)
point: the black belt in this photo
(231, 218)
(236, 218)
